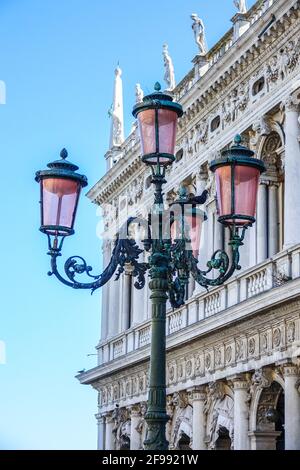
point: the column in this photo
(126, 302)
(191, 288)
(262, 240)
(138, 298)
(241, 413)
(198, 395)
(292, 407)
(109, 437)
(105, 292)
(292, 173)
(135, 436)
(218, 234)
(273, 220)
(101, 431)
(114, 302)
(138, 306)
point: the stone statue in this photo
(220, 407)
(241, 5)
(121, 429)
(139, 94)
(199, 32)
(169, 69)
(181, 419)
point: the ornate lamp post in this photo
(173, 236)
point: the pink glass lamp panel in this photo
(59, 201)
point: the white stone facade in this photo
(233, 354)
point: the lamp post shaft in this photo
(156, 416)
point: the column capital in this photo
(108, 417)
(240, 381)
(198, 393)
(291, 102)
(290, 370)
(135, 411)
(100, 417)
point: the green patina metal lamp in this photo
(60, 191)
(157, 116)
(172, 260)
(237, 178)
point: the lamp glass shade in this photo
(242, 203)
(192, 230)
(59, 204)
(158, 134)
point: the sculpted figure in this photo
(169, 69)
(139, 94)
(199, 32)
(182, 420)
(221, 407)
(241, 5)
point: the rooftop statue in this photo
(241, 5)
(169, 69)
(199, 32)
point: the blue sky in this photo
(57, 60)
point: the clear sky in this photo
(57, 60)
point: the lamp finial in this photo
(64, 154)
(157, 86)
(238, 139)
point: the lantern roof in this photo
(62, 169)
(238, 154)
(158, 100)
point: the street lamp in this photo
(173, 236)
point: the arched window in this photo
(215, 123)
(258, 86)
(179, 155)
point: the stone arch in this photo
(273, 127)
(268, 148)
(266, 421)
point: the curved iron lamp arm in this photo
(125, 252)
(184, 263)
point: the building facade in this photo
(233, 353)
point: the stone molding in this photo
(203, 373)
